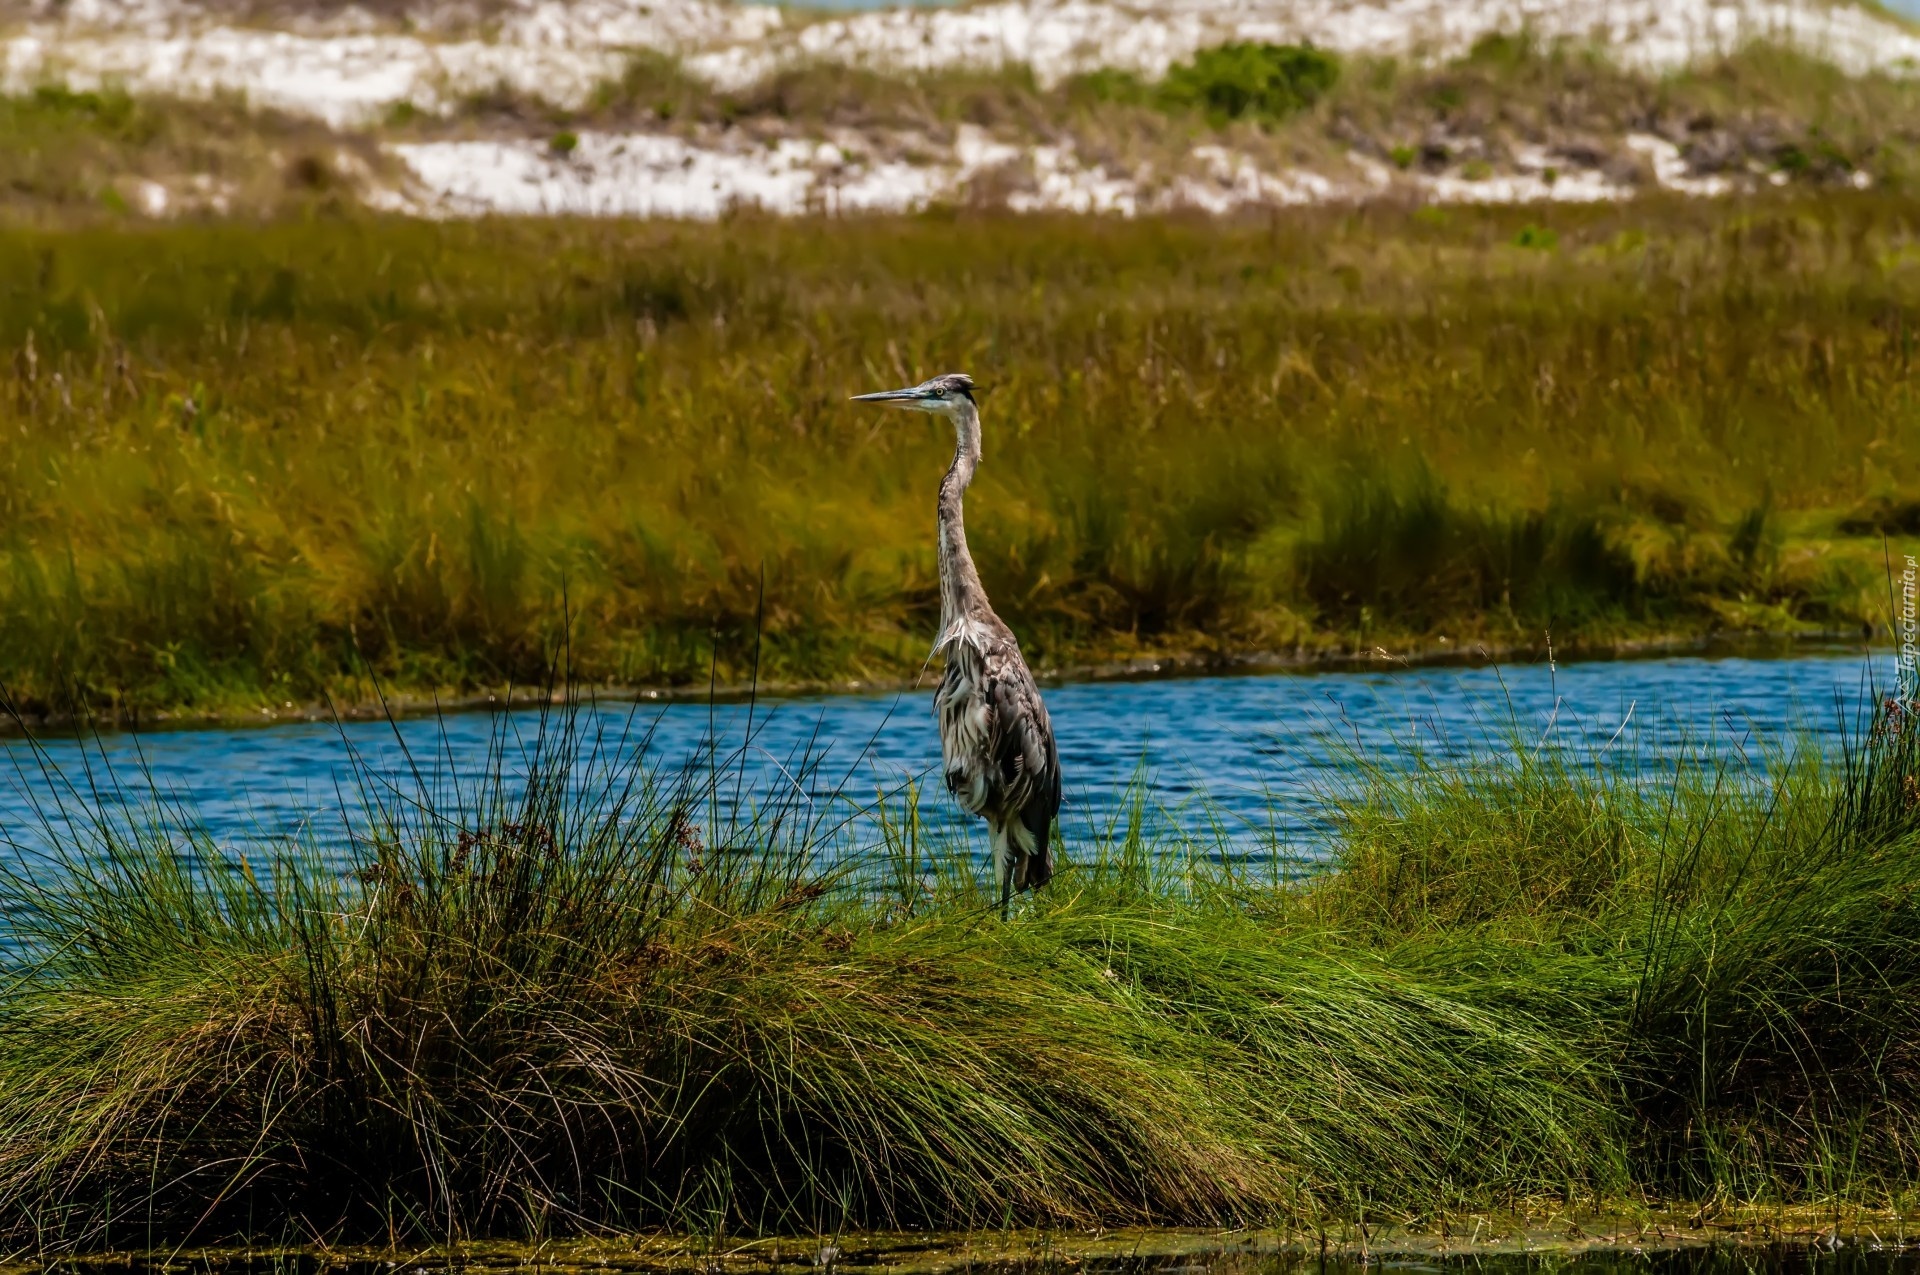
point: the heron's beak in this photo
(894, 398)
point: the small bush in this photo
(1503, 51)
(309, 172)
(1248, 80)
(112, 111)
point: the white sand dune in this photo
(350, 67)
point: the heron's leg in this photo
(1003, 862)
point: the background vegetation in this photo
(242, 459)
(1511, 105)
(1760, 113)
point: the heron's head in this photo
(943, 395)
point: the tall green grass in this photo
(251, 465)
(572, 992)
(1739, 939)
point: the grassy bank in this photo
(246, 464)
(584, 1001)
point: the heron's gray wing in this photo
(966, 731)
(1021, 740)
(1040, 812)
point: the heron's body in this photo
(996, 742)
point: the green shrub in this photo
(1248, 80)
(110, 110)
(1503, 50)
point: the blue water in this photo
(1245, 759)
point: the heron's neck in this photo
(960, 591)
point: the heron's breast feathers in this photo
(963, 633)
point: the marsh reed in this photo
(251, 465)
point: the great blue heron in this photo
(995, 739)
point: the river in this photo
(1250, 759)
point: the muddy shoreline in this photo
(1549, 1233)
